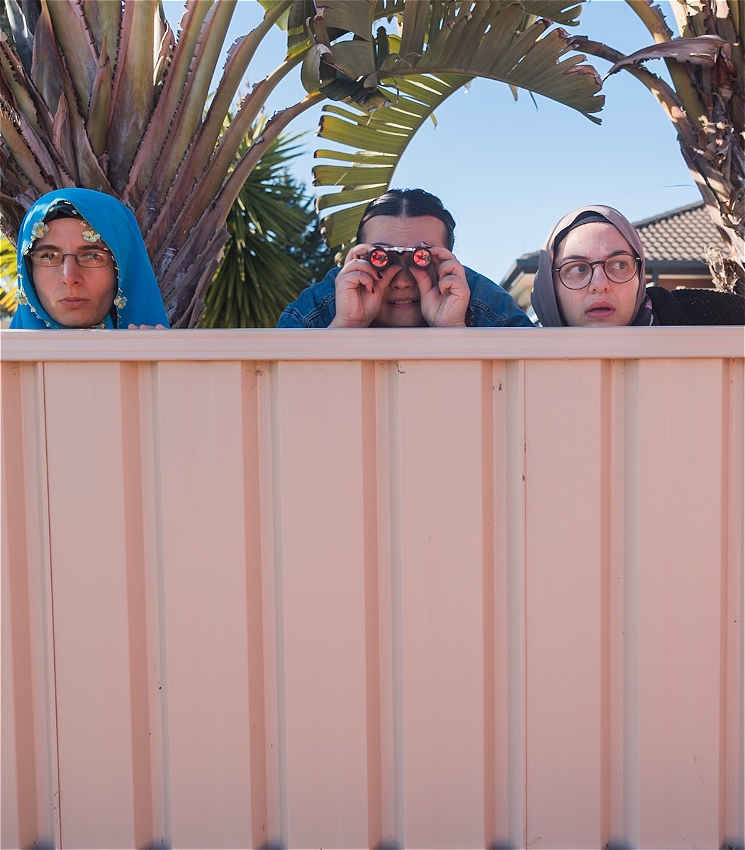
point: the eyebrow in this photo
(81, 246)
(391, 245)
(612, 254)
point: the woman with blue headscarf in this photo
(82, 263)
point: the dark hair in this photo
(587, 217)
(409, 203)
(62, 209)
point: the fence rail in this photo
(373, 589)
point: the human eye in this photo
(622, 263)
(47, 257)
(576, 269)
(93, 258)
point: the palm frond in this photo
(262, 268)
(379, 140)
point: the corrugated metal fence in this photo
(373, 589)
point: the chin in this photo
(401, 321)
(77, 323)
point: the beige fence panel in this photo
(373, 589)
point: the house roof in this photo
(681, 234)
(675, 242)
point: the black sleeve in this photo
(696, 306)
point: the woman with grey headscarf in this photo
(591, 274)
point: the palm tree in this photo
(705, 100)
(118, 103)
(274, 250)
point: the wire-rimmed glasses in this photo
(577, 274)
(90, 258)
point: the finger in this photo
(426, 279)
(354, 275)
(386, 275)
(357, 252)
(440, 255)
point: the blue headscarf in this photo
(137, 300)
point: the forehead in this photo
(594, 240)
(63, 231)
(405, 232)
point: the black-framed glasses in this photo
(577, 274)
(90, 258)
(381, 257)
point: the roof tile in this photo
(681, 234)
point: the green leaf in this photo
(380, 139)
(8, 277)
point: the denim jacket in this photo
(490, 306)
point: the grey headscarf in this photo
(544, 296)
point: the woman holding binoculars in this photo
(402, 273)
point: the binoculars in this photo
(380, 258)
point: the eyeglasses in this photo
(577, 274)
(88, 259)
(380, 257)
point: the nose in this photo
(599, 280)
(70, 270)
(403, 279)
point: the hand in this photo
(444, 301)
(359, 290)
(131, 327)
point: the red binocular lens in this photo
(381, 258)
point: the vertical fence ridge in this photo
(385, 426)
(268, 496)
(271, 493)
(153, 450)
(490, 387)
(607, 522)
(373, 672)
(393, 376)
(629, 642)
(255, 649)
(20, 823)
(36, 459)
(136, 589)
(732, 740)
(515, 455)
(725, 590)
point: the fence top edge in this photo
(377, 344)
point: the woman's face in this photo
(601, 303)
(74, 296)
(401, 307)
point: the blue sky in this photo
(509, 170)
